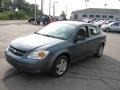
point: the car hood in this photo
(32, 41)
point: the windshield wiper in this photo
(46, 35)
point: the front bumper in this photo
(27, 65)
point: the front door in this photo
(79, 49)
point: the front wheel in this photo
(60, 66)
(99, 51)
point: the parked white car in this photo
(113, 26)
(99, 23)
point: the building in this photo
(96, 13)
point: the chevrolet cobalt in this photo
(55, 47)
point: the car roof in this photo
(77, 23)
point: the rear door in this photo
(115, 26)
(119, 27)
(93, 39)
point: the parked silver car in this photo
(113, 26)
(99, 23)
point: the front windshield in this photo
(57, 30)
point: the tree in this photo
(20, 4)
(63, 15)
(24, 8)
(29, 9)
(0, 5)
(5, 5)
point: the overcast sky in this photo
(77, 5)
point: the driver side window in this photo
(81, 33)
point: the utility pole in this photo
(105, 5)
(54, 8)
(86, 2)
(0, 4)
(42, 2)
(13, 5)
(49, 7)
(35, 13)
(66, 11)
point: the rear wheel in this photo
(38, 22)
(32, 21)
(99, 51)
(60, 66)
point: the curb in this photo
(12, 22)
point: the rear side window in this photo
(116, 24)
(93, 31)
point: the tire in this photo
(107, 29)
(29, 21)
(32, 21)
(38, 22)
(18, 69)
(60, 66)
(99, 51)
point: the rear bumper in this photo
(27, 65)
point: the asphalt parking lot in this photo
(88, 74)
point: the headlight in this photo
(39, 54)
(7, 47)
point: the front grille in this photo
(16, 51)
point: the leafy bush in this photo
(3, 16)
(19, 15)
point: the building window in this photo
(76, 16)
(91, 16)
(97, 16)
(110, 16)
(104, 16)
(84, 15)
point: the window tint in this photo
(116, 24)
(58, 30)
(82, 32)
(93, 31)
